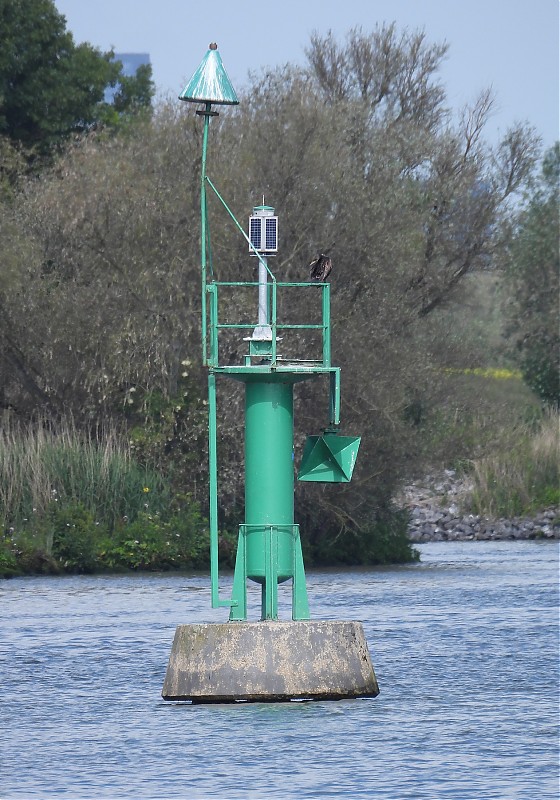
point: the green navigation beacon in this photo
(267, 659)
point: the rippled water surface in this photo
(465, 648)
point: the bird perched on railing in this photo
(320, 268)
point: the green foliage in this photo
(522, 477)
(539, 361)
(106, 512)
(69, 540)
(161, 426)
(41, 465)
(166, 432)
(75, 538)
(134, 92)
(50, 86)
(384, 541)
(533, 279)
(8, 561)
(151, 543)
(26, 558)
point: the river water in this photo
(464, 644)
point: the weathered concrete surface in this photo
(269, 661)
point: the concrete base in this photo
(269, 661)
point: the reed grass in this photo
(524, 476)
(42, 466)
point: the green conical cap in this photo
(210, 83)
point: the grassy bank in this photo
(74, 503)
(71, 502)
(522, 476)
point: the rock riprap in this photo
(435, 515)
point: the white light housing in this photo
(263, 230)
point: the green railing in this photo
(210, 347)
(276, 327)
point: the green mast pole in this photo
(212, 412)
(203, 229)
(209, 86)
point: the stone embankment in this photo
(436, 516)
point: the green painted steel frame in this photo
(276, 368)
(238, 596)
(269, 596)
(212, 290)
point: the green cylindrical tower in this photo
(269, 476)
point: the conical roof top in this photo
(210, 83)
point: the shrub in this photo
(151, 543)
(42, 465)
(522, 478)
(384, 541)
(75, 538)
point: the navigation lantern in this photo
(263, 231)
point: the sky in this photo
(510, 46)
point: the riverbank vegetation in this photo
(521, 475)
(101, 391)
(81, 502)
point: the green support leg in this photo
(300, 604)
(269, 595)
(238, 612)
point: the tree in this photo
(49, 86)
(532, 281)
(134, 92)
(411, 202)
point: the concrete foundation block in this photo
(269, 661)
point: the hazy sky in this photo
(509, 45)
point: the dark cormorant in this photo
(320, 268)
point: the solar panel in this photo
(263, 233)
(271, 228)
(255, 232)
